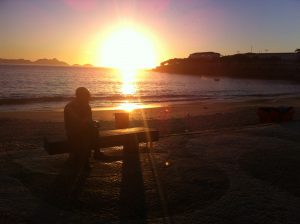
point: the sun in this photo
(128, 49)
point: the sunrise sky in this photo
(77, 31)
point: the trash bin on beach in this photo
(122, 120)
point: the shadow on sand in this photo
(64, 194)
(132, 198)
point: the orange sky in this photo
(74, 30)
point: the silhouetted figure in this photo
(80, 130)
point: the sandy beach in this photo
(211, 90)
(214, 163)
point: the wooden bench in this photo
(129, 138)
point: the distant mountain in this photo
(15, 61)
(53, 62)
(88, 65)
(44, 61)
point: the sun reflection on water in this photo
(129, 107)
(129, 88)
(129, 78)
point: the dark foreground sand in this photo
(213, 164)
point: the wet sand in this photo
(214, 164)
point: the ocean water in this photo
(49, 88)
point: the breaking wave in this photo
(135, 98)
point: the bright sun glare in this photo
(128, 49)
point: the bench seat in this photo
(129, 137)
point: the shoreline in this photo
(162, 111)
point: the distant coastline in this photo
(275, 66)
(40, 62)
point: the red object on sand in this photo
(275, 114)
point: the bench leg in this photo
(132, 192)
(132, 145)
(150, 145)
